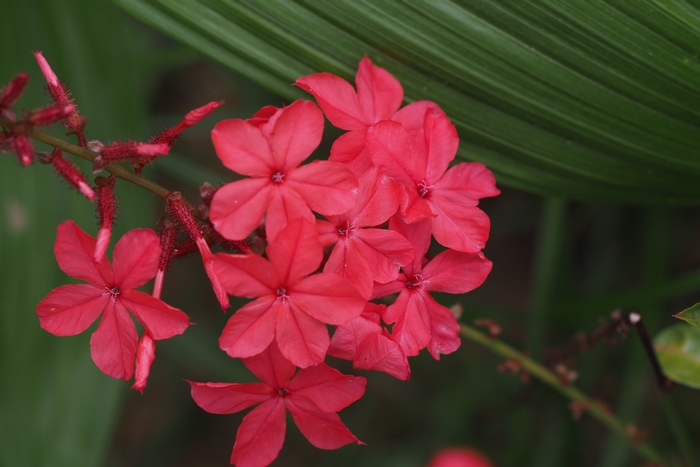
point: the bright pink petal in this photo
(70, 309)
(162, 320)
(136, 258)
(325, 388)
(412, 116)
(444, 329)
(389, 144)
(327, 232)
(74, 250)
(238, 208)
(286, 206)
(414, 208)
(385, 251)
(296, 252)
(261, 435)
(378, 198)
(208, 261)
(459, 457)
(145, 354)
(346, 261)
(297, 133)
(242, 148)
(327, 187)
(347, 337)
(418, 234)
(390, 288)
(337, 99)
(271, 366)
(324, 430)
(248, 276)
(302, 339)
(328, 298)
(412, 322)
(349, 149)
(379, 93)
(464, 230)
(465, 183)
(440, 144)
(113, 344)
(251, 329)
(455, 272)
(225, 398)
(380, 352)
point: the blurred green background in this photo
(573, 125)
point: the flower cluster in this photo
(344, 244)
(384, 193)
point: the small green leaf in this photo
(678, 349)
(690, 315)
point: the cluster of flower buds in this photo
(342, 243)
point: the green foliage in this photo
(678, 348)
(690, 315)
(593, 100)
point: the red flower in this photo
(270, 150)
(110, 292)
(312, 396)
(419, 164)
(292, 306)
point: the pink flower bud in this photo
(119, 152)
(11, 93)
(71, 173)
(49, 115)
(106, 208)
(20, 143)
(145, 354)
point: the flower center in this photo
(345, 228)
(415, 282)
(277, 177)
(423, 188)
(113, 291)
(282, 392)
(282, 293)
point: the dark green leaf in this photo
(678, 349)
(690, 315)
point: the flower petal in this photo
(297, 133)
(136, 258)
(328, 298)
(439, 144)
(70, 309)
(225, 398)
(251, 329)
(145, 354)
(296, 253)
(113, 344)
(346, 261)
(455, 272)
(271, 366)
(302, 339)
(242, 148)
(74, 250)
(379, 93)
(327, 187)
(286, 206)
(349, 149)
(443, 328)
(466, 229)
(261, 435)
(380, 352)
(325, 388)
(248, 276)
(238, 208)
(378, 198)
(337, 99)
(324, 430)
(389, 144)
(412, 322)
(159, 318)
(347, 337)
(384, 251)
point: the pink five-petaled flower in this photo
(419, 164)
(312, 396)
(270, 151)
(110, 292)
(420, 321)
(378, 97)
(363, 253)
(292, 307)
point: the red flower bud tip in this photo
(167, 248)
(75, 123)
(106, 208)
(169, 135)
(20, 143)
(145, 354)
(71, 173)
(182, 213)
(49, 115)
(118, 152)
(11, 93)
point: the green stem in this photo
(549, 378)
(116, 170)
